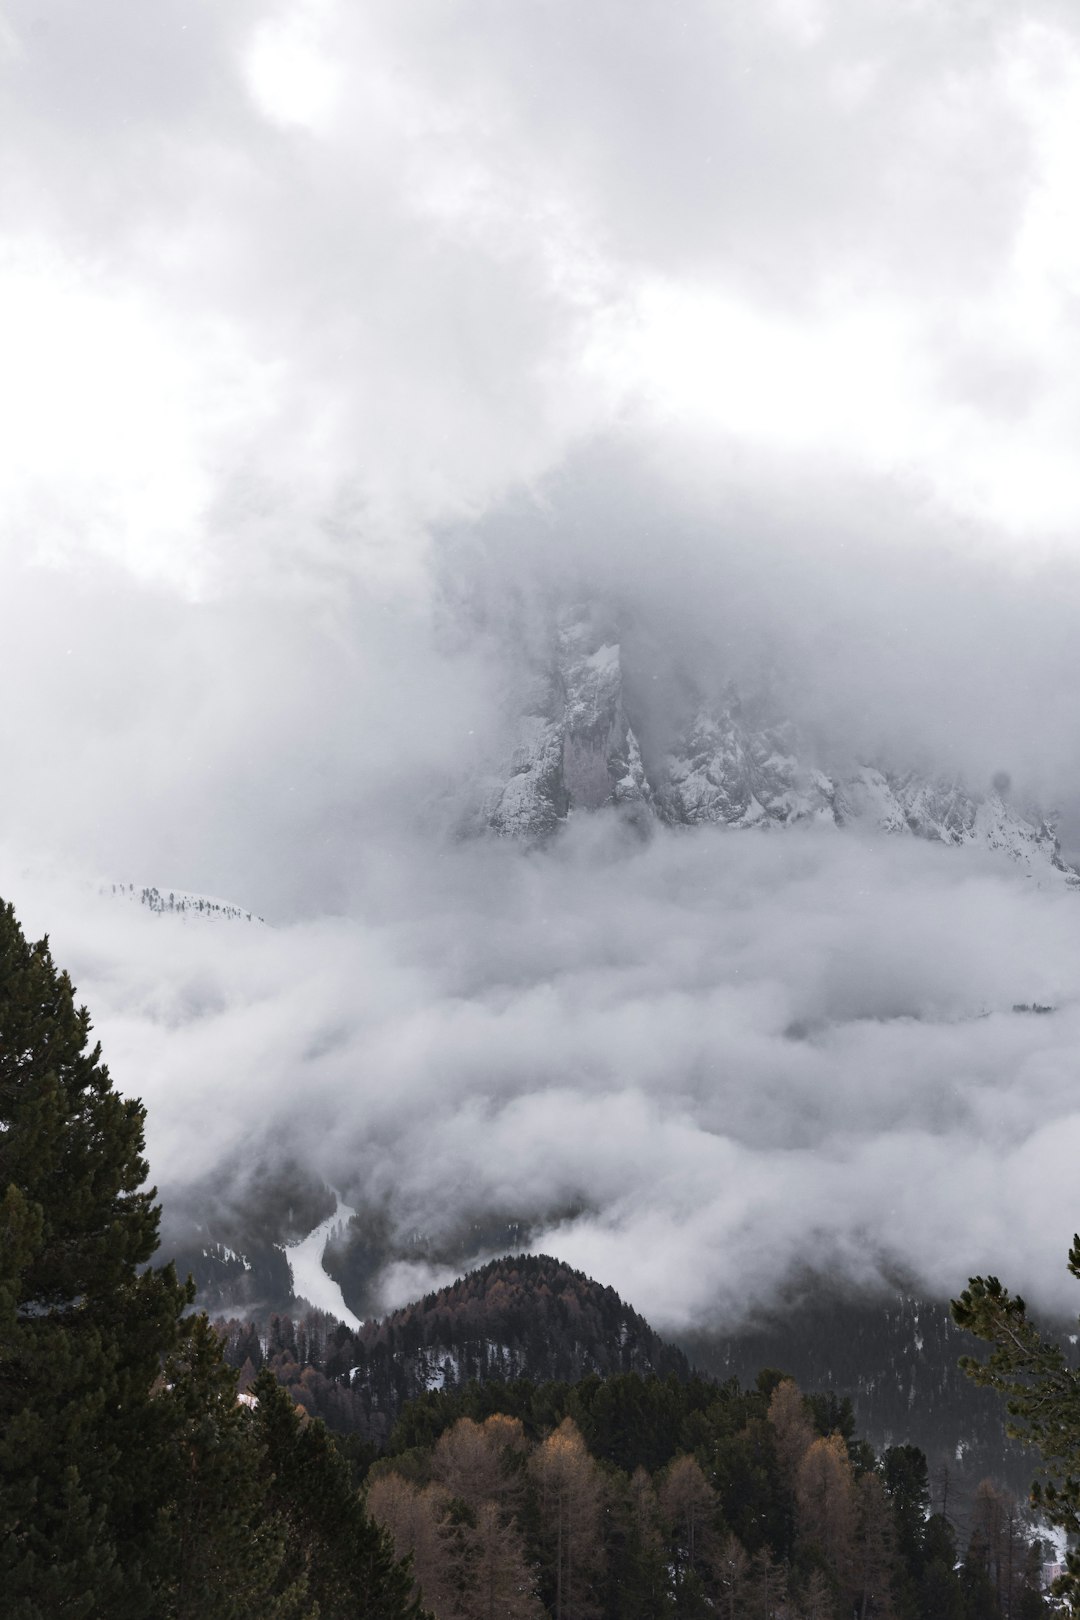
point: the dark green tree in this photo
(216, 1551)
(83, 1324)
(332, 1547)
(1042, 1396)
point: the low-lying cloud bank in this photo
(732, 1055)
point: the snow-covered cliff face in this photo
(575, 748)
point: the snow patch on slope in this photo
(305, 1259)
(180, 903)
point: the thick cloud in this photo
(336, 341)
(711, 1060)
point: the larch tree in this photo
(818, 1601)
(689, 1504)
(767, 1589)
(792, 1428)
(468, 1460)
(731, 1569)
(415, 1519)
(569, 1497)
(501, 1584)
(825, 1499)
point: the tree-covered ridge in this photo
(133, 1484)
(526, 1316)
(631, 1498)
(539, 1308)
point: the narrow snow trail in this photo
(310, 1281)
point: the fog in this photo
(340, 342)
(729, 1055)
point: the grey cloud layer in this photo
(738, 1053)
(308, 277)
(335, 337)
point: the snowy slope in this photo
(180, 903)
(305, 1259)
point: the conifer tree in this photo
(82, 1326)
(218, 1553)
(346, 1559)
(1042, 1394)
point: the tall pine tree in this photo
(83, 1325)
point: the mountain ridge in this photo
(575, 746)
(518, 1316)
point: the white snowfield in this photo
(305, 1259)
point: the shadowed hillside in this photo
(527, 1316)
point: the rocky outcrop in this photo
(721, 770)
(575, 748)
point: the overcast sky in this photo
(325, 326)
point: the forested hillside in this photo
(633, 1498)
(898, 1358)
(528, 1316)
(526, 1391)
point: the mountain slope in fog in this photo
(576, 746)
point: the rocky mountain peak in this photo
(575, 747)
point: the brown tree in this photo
(825, 1503)
(569, 1503)
(766, 1592)
(731, 1576)
(999, 1542)
(818, 1601)
(688, 1503)
(417, 1521)
(501, 1586)
(793, 1431)
(469, 1462)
